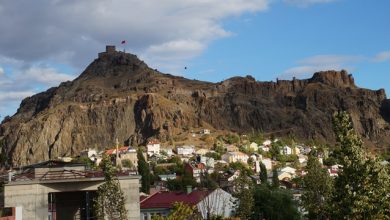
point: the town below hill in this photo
(259, 171)
(118, 96)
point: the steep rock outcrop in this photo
(119, 96)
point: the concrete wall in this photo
(33, 196)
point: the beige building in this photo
(63, 191)
(232, 157)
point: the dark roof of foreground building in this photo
(52, 164)
(58, 171)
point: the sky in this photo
(45, 42)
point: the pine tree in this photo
(318, 189)
(110, 201)
(275, 179)
(362, 187)
(243, 191)
(144, 171)
(263, 174)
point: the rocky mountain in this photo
(119, 96)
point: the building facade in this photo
(61, 191)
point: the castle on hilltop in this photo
(110, 49)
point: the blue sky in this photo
(45, 43)
(276, 43)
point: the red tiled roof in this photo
(167, 199)
(113, 150)
(153, 141)
(201, 166)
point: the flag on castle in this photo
(123, 42)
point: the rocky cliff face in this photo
(119, 96)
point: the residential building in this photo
(202, 151)
(268, 163)
(257, 167)
(264, 148)
(234, 176)
(253, 146)
(118, 150)
(286, 150)
(153, 147)
(208, 203)
(231, 148)
(296, 150)
(124, 153)
(166, 177)
(285, 176)
(185, 150)
(232, 157)
(208, 161)
(267, 143)
(256, 157)
(168, 152)
(90, 153)
(287, 173)
(334, 170)
(59, 190)
(197, 170)
(302, 159)
(289, 170)
(205, 131)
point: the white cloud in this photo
(305, 3)
(12, 96)
(45, 75)
(71, 32)
(9, 101)
(321, 60)
(75, 31)
(26, 81)
(179, 50)
(1, 71)
(310, 65)
(382, 56)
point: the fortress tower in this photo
(110, 49)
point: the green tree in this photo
(86, 161)
(144, 171)
(263, 174)
(318, 188)
(181, 183)
(275, 150)
(241, 166)
(110, 201)
(127, 163)
(362, 186)
(243, 191)
(275, 179)
(232, 139)
(274, 203)
(214, 155)
(250, 161)
(180, 211)
(257, 137)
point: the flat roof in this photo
(90, 179)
